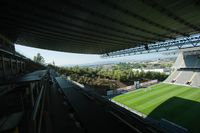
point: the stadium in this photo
(176, 99)
(39, 97)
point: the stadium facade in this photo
(186, 68)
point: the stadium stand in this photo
(172, 76)
(179, 61)
(186, 68)
(184, 77)
(195, 80)
(191, 61)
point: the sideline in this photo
(130, 109)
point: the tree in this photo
(39, 59)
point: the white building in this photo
(161, 70)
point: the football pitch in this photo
(178, 104)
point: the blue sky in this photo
(64, 58)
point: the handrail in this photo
(37, 114)
(38, 101)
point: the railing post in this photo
(3, 66)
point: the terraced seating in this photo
(184, 77)
(196, 80)
(173, 76)
(186, 70)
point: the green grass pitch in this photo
(179, 104)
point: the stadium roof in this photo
(97, 26)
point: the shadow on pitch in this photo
(181, 111)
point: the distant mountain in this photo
(95, 64)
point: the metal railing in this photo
(38, 108)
